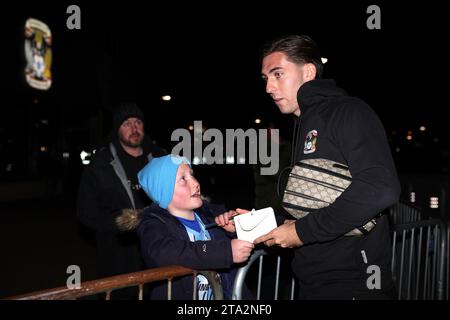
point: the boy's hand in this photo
(241, 250)
(241, 211)
(223, 220)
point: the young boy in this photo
(172, 230)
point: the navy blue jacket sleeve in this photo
(362, 140)
(162, 246)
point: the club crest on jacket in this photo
(310, 142)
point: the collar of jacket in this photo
(157, 210)
(317, 91)
(120, 171)
(163, 215)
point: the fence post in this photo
(242, 272)
(441, 272)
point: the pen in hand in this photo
(213, 224)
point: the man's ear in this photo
(309, 71)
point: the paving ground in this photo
(39, 239)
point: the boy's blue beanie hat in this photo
(157, 178)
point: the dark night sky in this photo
(206, 57)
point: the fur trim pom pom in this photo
(128, 220)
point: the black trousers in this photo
(340, 291)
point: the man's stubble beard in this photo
(128, 143)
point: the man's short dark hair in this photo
(299, 49)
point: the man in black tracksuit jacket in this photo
(344, 129)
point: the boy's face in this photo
(186, 195)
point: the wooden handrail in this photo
(107, 284)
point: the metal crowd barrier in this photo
(244, 271)
(108, 285)
(402, 213)
(420, 260)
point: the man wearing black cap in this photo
(109, 185)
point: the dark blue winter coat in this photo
(165, 241)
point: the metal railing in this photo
(402, 213)
(420, 266)
(243, 271)
(139, 279)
